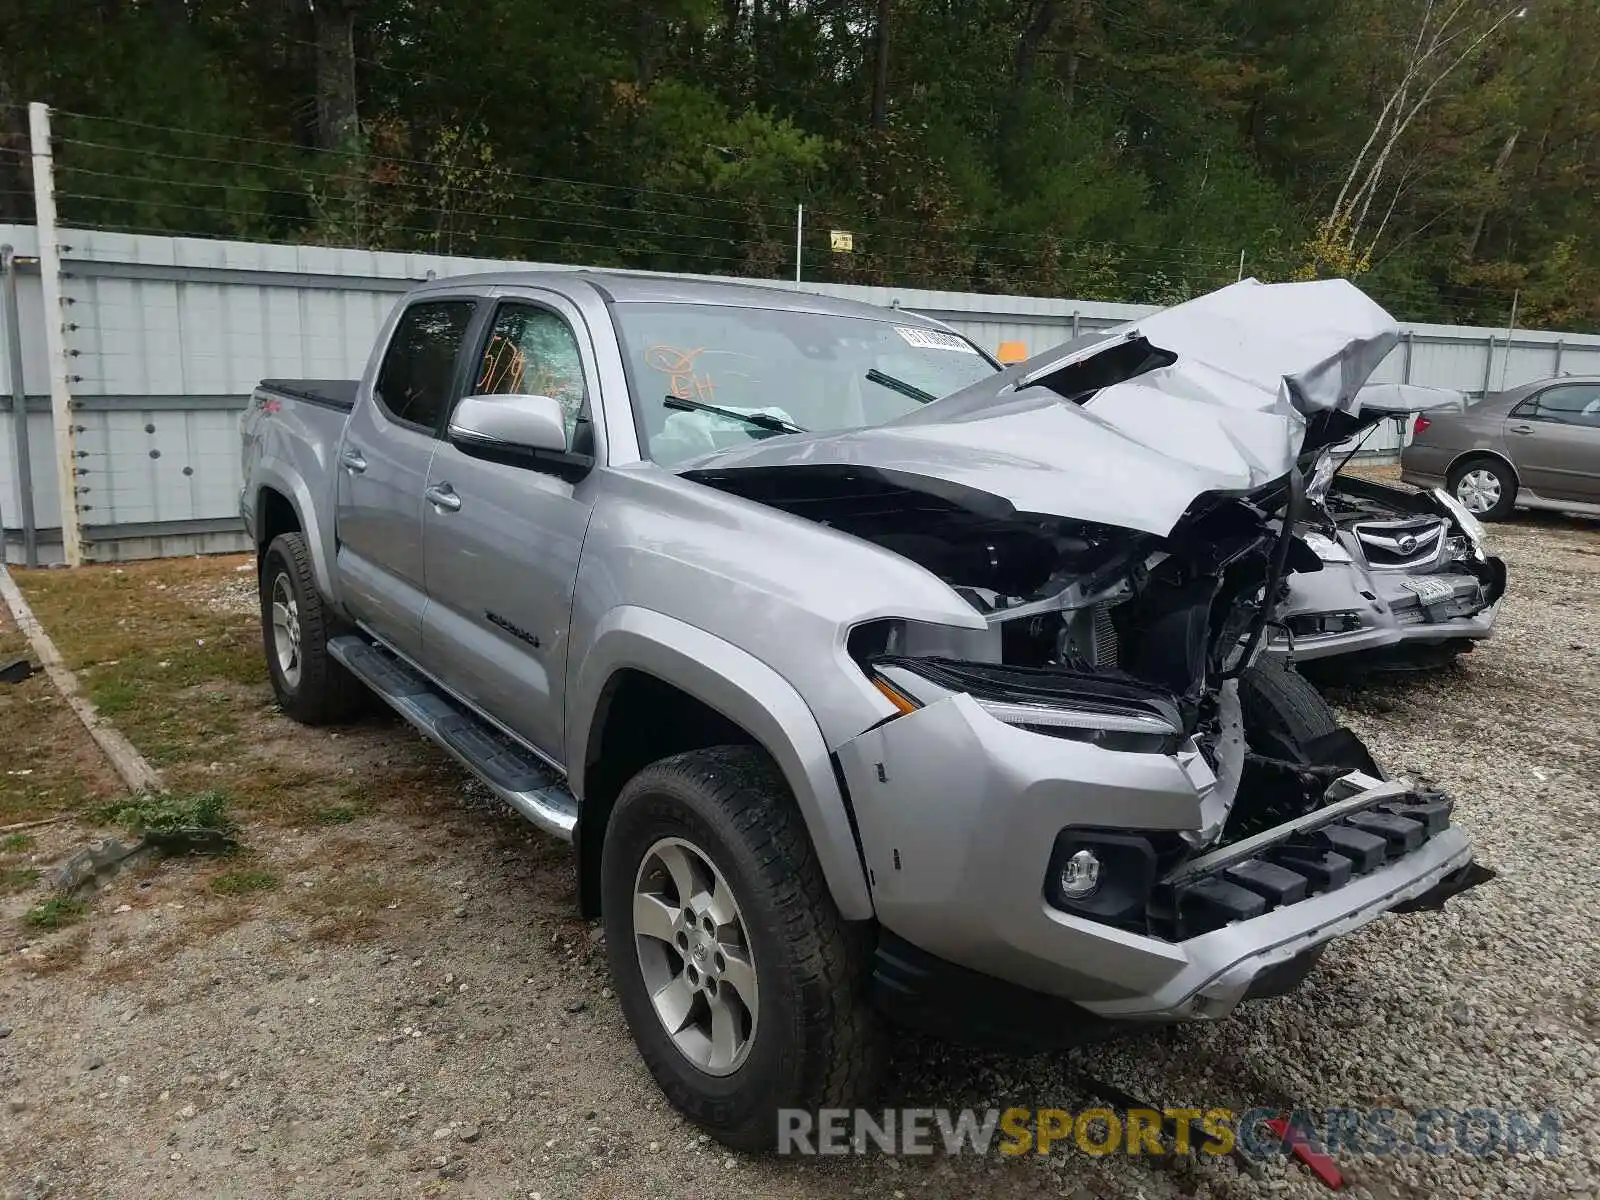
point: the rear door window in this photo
(1569, 404)
(418, 371)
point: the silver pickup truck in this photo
(866, 678)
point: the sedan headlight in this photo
(1470, 525)
(1325, 548)
(1108, 713)
(1321, 478)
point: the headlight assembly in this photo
(1470, 525)
(1111, 713)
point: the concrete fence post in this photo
(55, 341)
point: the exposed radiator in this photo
(1105, 637)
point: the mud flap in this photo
(1453, 884)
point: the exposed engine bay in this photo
(1399, 530)
(1143, 637)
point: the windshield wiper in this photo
(759, 420)
(901, 386)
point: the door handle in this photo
(1522, 429)
(351, 460)
(442, 496)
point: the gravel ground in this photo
(416, 1011)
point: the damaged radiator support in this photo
(1294, 505)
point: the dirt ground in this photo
(388, 993)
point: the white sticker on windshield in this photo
(934, 339)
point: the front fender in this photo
(747, 692)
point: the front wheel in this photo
(311, 685)
(1286, 723)
(741, 984)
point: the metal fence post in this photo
(55, 342)
(1488, 367)
(19, 407)
(1555, 369)
(1405, 361)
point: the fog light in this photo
(1080, 875)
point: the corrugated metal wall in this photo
(167, 336)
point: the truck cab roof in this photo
(637, 287)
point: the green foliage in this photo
(16, 843)
(53, 913)
(1056, 147)
(170, 812)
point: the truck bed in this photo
(339, 394)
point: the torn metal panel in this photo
(1129, 428)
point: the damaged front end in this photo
(1102, 791)
(1405, 580)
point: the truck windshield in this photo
(819, 371)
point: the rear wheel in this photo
(311, 685)
(741, 984)
(1486, 488)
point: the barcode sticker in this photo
(934, 339)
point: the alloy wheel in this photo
(286, 630)
(694, 954)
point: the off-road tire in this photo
(816, 1042)
(1508, 485)
(325, 693)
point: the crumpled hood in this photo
(1241, 374)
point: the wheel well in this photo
(639, 719)
(275, 515)
(1469, 456)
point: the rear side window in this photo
(415, 379)
(1570, 404)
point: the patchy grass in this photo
(138, 636)
(352, 908)
(184, 678)
(17, 879)
(54, 913)
(16, 843)
(48, 764)
(61, 955)
(243, 882)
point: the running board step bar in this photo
(508, 769)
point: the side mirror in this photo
(510, 423)
(520, 431)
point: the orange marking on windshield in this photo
(679, 367)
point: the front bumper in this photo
(958, 814)
(1384, 610)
